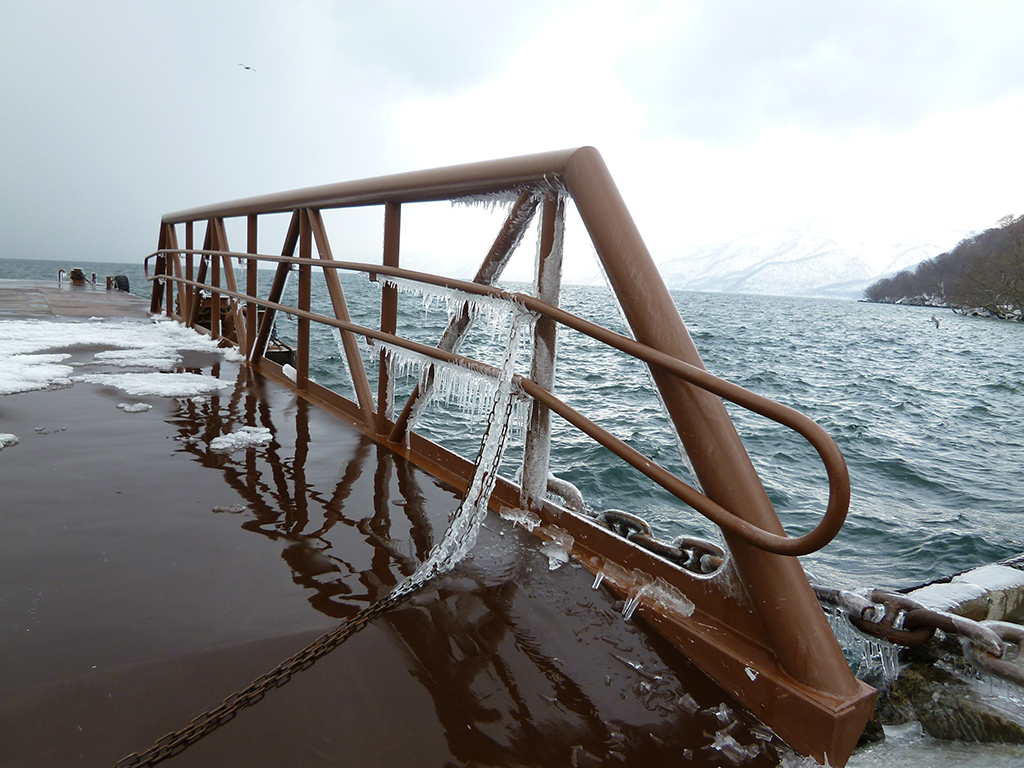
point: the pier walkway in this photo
(149, 570)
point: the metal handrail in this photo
(807, 693)
(832, 459)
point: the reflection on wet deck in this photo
(148, 601)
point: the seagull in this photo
(246, 66)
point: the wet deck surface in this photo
(146, 576)
(34, 298)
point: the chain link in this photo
(176, 741)
(693, 554)
(995, 646)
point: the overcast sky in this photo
(716, 118)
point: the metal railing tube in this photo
(782, 544)
(780, 593)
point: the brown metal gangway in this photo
(765, 639)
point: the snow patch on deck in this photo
(240, 439)
(26, 363)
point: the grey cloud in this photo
(736, 69)
(436, 49)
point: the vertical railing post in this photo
(186, 308)
(212, 239)
(250, 284)
(302, 333)
(276, 289)
(172, 267)
(388, 312)
(548, 280)
(237, 321)
(160, 268)
(490, 270)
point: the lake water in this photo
(930, 420)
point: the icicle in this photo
(489, 201)
(641, 586)
(453, 384)
(336, 332)
(496, 313)
(524, 517)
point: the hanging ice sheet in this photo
(465, 523)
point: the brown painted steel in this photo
(302, 334)
(348, 340)
(251, 314)
(186, 307)
(778, 587)
(277, 288)
(490, 270)
(818, 705)
(832, 459)
(388, 313)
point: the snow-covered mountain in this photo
(819, 256)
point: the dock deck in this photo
(147, 575)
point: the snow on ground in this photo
(26, 365)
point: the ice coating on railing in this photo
(642, 584)
(488, 201)
(336, 332)
(466, 389)
(465, 523)
(497, 314)
(559, 546)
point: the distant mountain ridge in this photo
(813, 256)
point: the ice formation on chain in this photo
(465, 523)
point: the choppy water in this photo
(930, 420)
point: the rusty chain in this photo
(994, 646)
(177, 741)
(693, 554)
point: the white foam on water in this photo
(907, 746)
(240, 439)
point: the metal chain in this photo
(176, 741)
(693, 554)
(995, 646)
